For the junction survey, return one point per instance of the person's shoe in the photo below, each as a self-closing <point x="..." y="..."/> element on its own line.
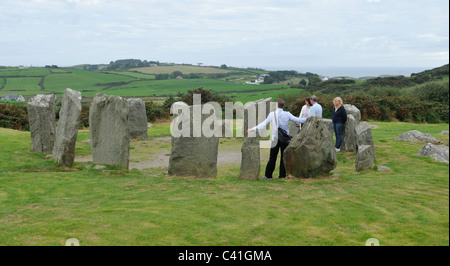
<point x="338" y="150"/>
<point x="265" y="177"/>
<point x="281" y="177"/>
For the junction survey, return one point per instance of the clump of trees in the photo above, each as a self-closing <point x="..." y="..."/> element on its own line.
<point x="124" y="64"/>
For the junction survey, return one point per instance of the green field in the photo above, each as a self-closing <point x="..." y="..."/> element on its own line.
<point x="23" y="86"/>
<point x="45" y="204"/>
<point x="132" y="83"/>
<point x="9" y="72"/>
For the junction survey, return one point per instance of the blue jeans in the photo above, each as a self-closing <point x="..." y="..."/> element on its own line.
<point x="338" y="127"/>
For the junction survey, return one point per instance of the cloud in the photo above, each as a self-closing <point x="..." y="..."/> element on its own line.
<point x="235" y="32"/>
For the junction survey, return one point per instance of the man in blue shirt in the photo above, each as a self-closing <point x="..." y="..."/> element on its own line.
<point x="316" y="108"/>
<point x="279" y="119"/>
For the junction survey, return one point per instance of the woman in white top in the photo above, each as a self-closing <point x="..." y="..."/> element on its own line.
<point x="305" y="109"/>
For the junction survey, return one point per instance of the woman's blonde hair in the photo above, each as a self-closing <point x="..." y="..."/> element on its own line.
<point x="339" y="99"/>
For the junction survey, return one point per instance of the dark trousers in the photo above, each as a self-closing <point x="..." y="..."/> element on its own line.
<point x="273" y="160"/>
<point x="338" y="127"/>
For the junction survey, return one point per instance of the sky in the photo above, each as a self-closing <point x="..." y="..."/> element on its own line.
<point x="241" y="33"/>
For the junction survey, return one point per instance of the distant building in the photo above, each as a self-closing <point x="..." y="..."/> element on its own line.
<point x="200" y="64"/>
<point x="13" y="97"/>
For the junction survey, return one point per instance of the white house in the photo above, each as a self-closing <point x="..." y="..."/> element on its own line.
<point x="13" y="97"/>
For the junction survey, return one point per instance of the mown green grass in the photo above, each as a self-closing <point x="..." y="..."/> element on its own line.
<point x="45" y="204"/>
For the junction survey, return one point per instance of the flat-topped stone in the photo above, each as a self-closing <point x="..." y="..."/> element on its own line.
<point x="42" y="121"/>
<point x="110" y="135"/>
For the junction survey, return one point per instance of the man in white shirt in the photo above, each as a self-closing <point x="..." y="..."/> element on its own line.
<point x="279" y="119"/>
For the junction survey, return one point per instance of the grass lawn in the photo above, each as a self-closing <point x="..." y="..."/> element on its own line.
<point x="45" y="204"/>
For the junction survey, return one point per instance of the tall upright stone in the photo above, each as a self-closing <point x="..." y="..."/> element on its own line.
<point x="312" y="153"/>
<point x="364" y="135"/>
<point x="137" y="119"/>
<point x="349" y="134"/>
<point x="193" y="155"/>
<point x="250" y="160"/>
<point x="67" y="129"/>
<point x="294" y="130"/>
<point x="329" y="125"/>
<point x="353" y="110"/>
<point x="110" y="134"/>
<point x="41" y="117"/>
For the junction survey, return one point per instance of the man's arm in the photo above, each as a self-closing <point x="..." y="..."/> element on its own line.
<point x="262" y="125"/>
<point x="295" y="119"/>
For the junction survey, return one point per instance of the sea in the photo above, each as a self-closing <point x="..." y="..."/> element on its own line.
<point x="355" y="72"/>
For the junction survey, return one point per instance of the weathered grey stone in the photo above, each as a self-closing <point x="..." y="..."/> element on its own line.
<point x="329" y="124"/>
<point x="444" y="132"/>
<point x="137" y="119"/>
<point x="437" y="152"/>
<point x="250" y="161"/>
<point x="110" y="134"/>
<point x="365" y="158"/>
<point x="335" y="175"/>
<point x="99" y="167"/>
<point x="363" y="133"/>
<point x="353" y="110"/>
<point x="349" y="134"/>
<point x="41" y="117"/>
<point x="294" y="131"/>
<point x="313" y="152"/>
<point x="193" y="156"/>
<point x="67" y="130"/>
<point x="384" y="169"/>
<point x="417" y="136"/>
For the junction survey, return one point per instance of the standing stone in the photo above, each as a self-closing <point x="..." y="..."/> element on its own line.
<point x="137" y="119"/>
<point x="110" y="134"/>
<point x="250" y="161"/>
<point x="294" y="131"/>
<point x="437" y="152"/>
<point x="365" y="158"/>
<point x="329" y="125"/>
<point x="41" y="117"/>
<point x="364" y="135"/>
<point x="313" y="152"/>
<point x="349" y="134"/>
<point x="67" y="130"/>
<point x="193" y="156"/>
<point x="353" y="110"/>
